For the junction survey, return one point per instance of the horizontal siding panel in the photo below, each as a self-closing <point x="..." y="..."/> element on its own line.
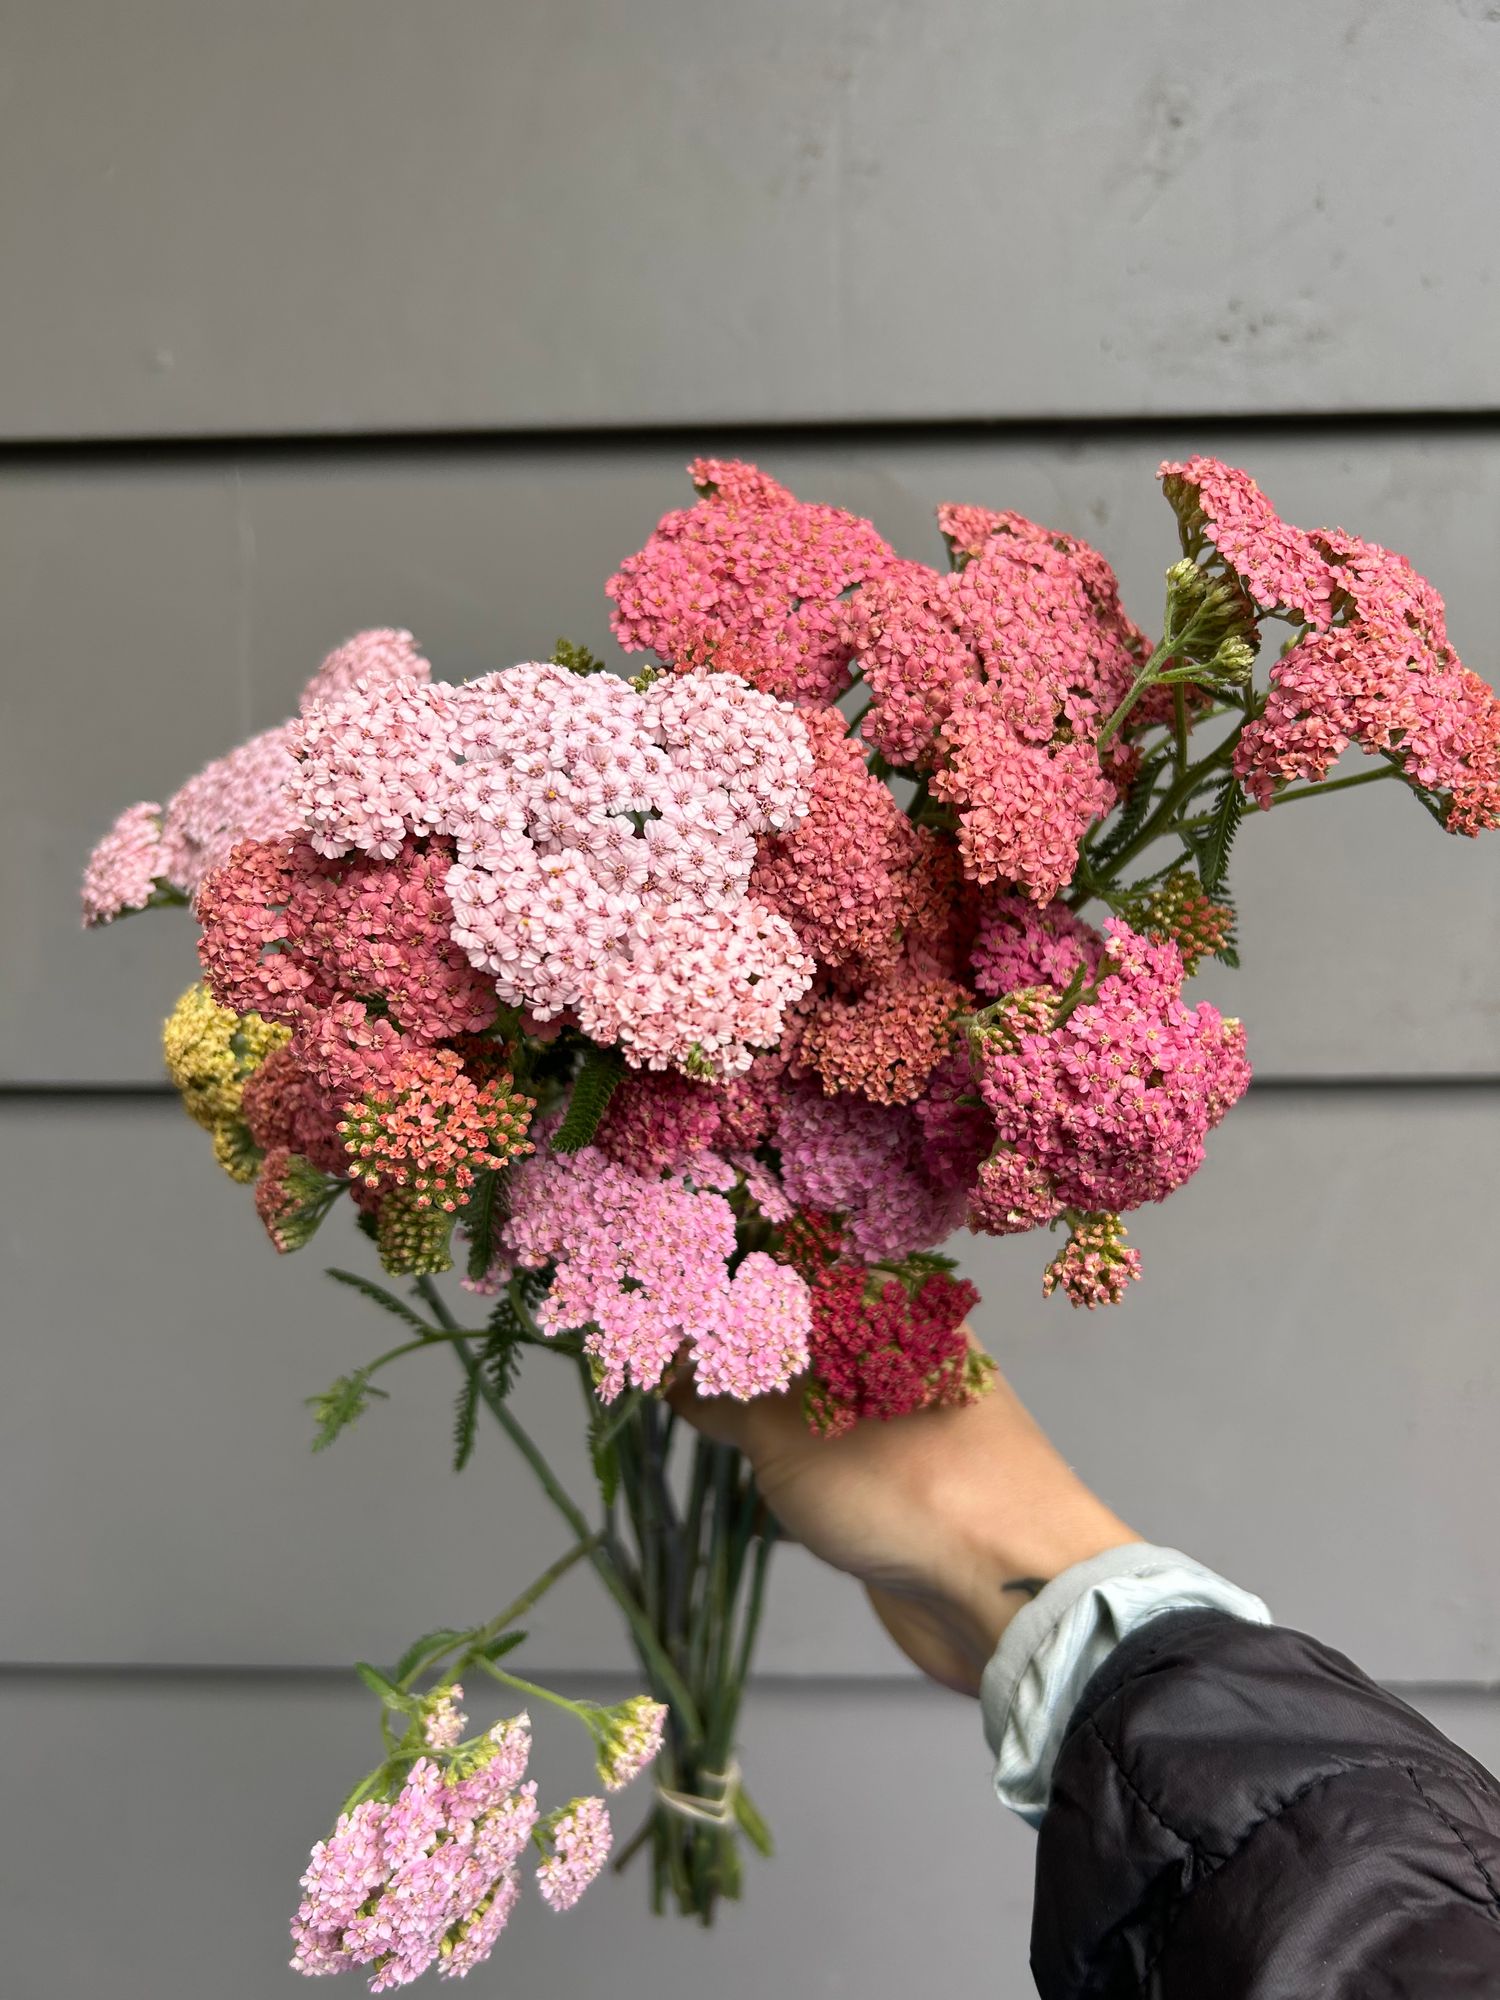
<point x="1303" y="1391"/>
<point x="160" y="609"/>
<point x="204" y="1796"/>
<point x="367" y="216"/>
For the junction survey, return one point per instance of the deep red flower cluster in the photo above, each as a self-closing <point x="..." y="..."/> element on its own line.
<point x="881" y="1349"/>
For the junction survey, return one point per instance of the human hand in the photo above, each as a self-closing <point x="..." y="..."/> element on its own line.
<point x="951" y="1519"/>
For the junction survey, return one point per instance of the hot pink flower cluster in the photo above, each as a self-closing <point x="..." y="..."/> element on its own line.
<point x="1108" y="1108"/>
<point x="643" y="1263"/>
<point x="751" y="577"/>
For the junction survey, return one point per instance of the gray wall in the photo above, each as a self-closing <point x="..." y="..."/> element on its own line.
<point x="324" y="316"/>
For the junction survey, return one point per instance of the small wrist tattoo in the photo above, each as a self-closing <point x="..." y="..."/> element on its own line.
<point x="1032" y="1585"/>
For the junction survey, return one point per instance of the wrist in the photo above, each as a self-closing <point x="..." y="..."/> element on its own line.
<point x="1006" y="1525"/>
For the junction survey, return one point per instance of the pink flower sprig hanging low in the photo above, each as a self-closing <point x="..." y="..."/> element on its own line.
<point x="691" y="1013"/>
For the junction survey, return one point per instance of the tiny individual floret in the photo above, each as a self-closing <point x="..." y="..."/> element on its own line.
<point x="575" y="1844"/>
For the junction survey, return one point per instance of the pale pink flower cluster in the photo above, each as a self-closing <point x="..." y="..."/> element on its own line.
<point x="578" y="1843"/>
<point x="642" y="1263"/>
<point x="863" y="1162"/>
<point x="370" y="659"/>
<point x="427" y="1878"/>
<point x="241" y="796"/>
<point x="123" y="870"/>
<point x="752" y="572"/>
<point x="1108" y="1109"/>
<point x="605" y="838"/>
<point x="443" y="1724"/>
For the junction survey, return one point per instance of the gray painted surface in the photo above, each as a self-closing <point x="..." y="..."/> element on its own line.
<point x="373" y="217"/>
<point x="157" y="612"/>
<point x="896" y="1871"/>
<point x="362" y="215"/>
<point x="1303" y="1390"/>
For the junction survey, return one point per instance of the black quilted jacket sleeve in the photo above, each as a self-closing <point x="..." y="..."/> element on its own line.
<point x="1238" y="1813"/>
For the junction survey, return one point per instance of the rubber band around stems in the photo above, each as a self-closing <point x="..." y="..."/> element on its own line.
<point x="693" y="1805"/>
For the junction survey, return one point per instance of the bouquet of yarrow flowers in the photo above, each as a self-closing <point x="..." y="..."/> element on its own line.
<point x="690" y="1014"/>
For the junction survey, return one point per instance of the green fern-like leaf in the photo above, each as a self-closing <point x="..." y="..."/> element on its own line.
<point x="1132" y="815"/>
<point x="340" y="1405"/>
<point x="481" y="1219"/>
<point x="381" y="1297"/>
<point x="593" y="1087"/>
<point x="465" y="1422"/>
<point x="500" y="1357"/>
<point x="1218" y="835"/>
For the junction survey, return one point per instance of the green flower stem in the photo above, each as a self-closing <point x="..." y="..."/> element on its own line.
<point x="473" y="1643"/>
<point x="1333" y="785"/>
<point x="1159" y="824"/>
<point x="1180" y="730"/>
<point x="578" y="1708"/>
<point x="656" y="1661"/>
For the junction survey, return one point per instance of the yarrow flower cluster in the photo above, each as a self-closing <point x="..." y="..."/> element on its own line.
<point x="1374" y="666"/>
<point x="428" y="1875"/>
<point x="753" y="569"/>
<point x="1106" y="1106"/>
<point x="643" y="1262"/>
<point x="427" y="1878"/>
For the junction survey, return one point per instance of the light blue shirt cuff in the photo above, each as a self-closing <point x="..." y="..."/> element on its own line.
<point x="1054" y="1644"/>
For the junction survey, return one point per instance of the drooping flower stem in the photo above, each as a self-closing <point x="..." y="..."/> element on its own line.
<point x="669" y="1684"/>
